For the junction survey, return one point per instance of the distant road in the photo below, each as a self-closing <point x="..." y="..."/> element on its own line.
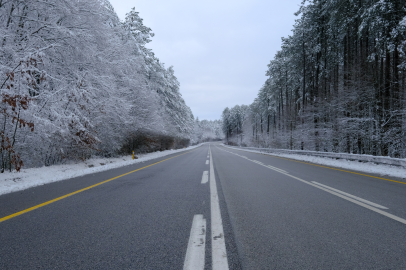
<point x="209" y="208"/>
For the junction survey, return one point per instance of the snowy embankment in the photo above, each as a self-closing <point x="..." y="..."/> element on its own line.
<point x="27" y="178"/>
<point x="367" y="167"/>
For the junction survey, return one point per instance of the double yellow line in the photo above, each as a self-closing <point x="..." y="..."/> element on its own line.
<point x="79" y="191"/>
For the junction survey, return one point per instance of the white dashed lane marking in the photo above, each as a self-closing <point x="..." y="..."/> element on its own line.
<point x="205" y="177"/>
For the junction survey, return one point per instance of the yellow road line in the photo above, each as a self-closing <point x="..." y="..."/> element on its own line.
<point x="328" y="167"/>
<point x="78" y="191"/>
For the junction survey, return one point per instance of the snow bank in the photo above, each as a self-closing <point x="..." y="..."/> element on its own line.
<point x="27" y="178"/>
<point x="367" y="167"/>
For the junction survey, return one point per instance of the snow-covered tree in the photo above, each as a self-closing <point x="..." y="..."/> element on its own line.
<point x="75" y="81"/>
<point x="338" y="82"/>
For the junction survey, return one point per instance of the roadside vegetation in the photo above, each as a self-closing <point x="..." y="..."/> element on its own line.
<point x="338" y="84"/>
<point x="77" y="82"/>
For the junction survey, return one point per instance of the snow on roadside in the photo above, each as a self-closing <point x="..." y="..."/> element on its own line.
<point x="27" y="178"/>
<point x="367" y="167"/>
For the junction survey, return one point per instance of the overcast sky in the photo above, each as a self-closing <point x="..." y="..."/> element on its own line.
<point x="219" y="48"/>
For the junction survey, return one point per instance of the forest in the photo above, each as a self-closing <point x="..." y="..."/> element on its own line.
<point x="336" y="85"/>
<point x="77" y="82"/>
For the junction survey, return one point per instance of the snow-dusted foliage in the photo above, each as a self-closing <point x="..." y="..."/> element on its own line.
<point x="206" y="130"/>
<point x="338" y="84"/>
<point x="234" y="124"/>
<point x="75" y="81"/>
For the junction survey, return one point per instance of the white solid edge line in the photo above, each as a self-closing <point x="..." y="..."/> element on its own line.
<point x="219" y="254"/>
<point x="399" y="219"/>
<point x="205" y="177"/>
<point x="352" y="196"/>
<point x="195" y="252"/>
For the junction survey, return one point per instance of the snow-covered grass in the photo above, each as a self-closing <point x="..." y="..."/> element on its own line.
<point x="26" y="178"/>
<point x="367" y="167"/>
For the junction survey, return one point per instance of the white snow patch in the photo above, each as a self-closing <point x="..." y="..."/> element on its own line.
<point x="367" y="167"/>
<point x="27" y="178"/>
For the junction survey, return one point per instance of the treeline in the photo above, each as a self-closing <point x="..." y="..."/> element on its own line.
<point x="207" y="130"/>
<point x="76" y="81"/>
<point x="337" y="84"/>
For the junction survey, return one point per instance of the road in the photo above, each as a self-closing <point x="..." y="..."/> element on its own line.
<point x="212" y="207"/>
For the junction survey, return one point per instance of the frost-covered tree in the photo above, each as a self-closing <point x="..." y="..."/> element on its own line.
<point x="233" y="121"/>
<point x="75" y="81"/>
<point x="207" y="130"/>
<point x="338" y="83"/>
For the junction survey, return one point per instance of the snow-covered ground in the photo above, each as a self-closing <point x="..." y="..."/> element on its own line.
<point x="26" y="178"/>
<point x="367" y="167"/>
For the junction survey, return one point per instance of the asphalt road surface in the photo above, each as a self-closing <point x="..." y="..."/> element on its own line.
<point x="212" y="207"/>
